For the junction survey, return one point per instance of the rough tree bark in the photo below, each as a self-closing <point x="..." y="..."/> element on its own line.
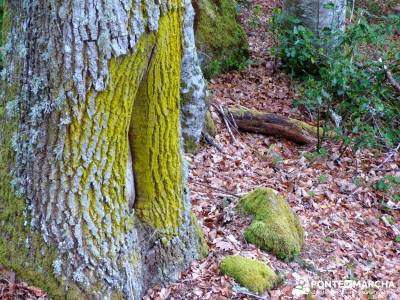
<point x="194" y="91"/>
<point x="318" y="14"/>
<point x="213" y="28"/>
<point x="93" y="201"/>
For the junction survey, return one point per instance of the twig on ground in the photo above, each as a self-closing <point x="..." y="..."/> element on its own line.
<point x="220" y="111"/>
<point x="388" y="157"/>
<point x="249" y="294"/>
<point x="233" y="122"/>
<point x="210" y="140"/>
<point x="215" y="193"/>
<point x="387" y="223"/>
<point x="372" y="16"/>
<point x="215" y="188"/>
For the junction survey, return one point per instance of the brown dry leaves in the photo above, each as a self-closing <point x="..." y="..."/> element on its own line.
<point x="10" y="289"/>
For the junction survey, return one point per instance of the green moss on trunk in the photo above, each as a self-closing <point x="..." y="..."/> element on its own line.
<point x="154" y="133"/>
<point x="22" y="249"/>
<point x="4" y="28"/>
<point x="139" y="107"/>
<point x="203" y="247"/>
<point x="209" y="125"/>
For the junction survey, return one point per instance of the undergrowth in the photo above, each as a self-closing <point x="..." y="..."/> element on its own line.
<point x="238" y="61"/>
<point x="345" y="87"/>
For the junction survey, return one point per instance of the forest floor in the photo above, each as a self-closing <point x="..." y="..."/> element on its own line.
<point x="350" y="225"/>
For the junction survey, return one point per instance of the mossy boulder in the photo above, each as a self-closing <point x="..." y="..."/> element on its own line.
<point x="220" y="40"/>
<point x="254" y="275"/>
<point x="275" y="228"/>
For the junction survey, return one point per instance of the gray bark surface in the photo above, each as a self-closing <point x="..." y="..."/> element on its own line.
<point x="58" y="56"/>
<point x="194" y="91"/>
<point x="316" y="15"/>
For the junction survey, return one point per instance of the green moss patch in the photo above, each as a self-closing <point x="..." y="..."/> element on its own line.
<point x="275" y="228"/>
<point x="4" y="24"/>
<point x="254" y="275"/>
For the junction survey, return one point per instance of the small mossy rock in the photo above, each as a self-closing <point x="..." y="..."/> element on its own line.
<point x="254" y="275"/>
<point x="275" y="228"/>
<point x="220" y="39"/>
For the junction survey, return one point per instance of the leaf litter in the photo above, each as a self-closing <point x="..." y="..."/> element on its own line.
<point x="350" y="226"/>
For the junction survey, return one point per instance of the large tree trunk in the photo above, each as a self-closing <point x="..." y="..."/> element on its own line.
<point x="93" y="201"/>
<point x="318" y="14"/>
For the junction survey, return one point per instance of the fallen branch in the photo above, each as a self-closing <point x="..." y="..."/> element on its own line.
<point x="217" y="189"/>
<point x="390" y="76"/>
<point x="239" y="290"/>
<point x="226" y="121"/>
<point x="253" y="295"/>
<point x="387" y="223"/>
<point x="271" y="124"/>
<point x="388" y="157"/>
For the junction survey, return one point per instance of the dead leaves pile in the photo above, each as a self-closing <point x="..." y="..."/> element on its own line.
<point x="10" y="289"/>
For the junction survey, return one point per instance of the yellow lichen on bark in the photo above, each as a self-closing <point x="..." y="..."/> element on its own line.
<point x="154" y="132"/>
<point x="142" y="101"/>
<point x="96" y="146"/>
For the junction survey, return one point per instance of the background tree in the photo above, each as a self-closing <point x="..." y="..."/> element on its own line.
<point x="92" y="182"/>
<point x="318" y="14"/>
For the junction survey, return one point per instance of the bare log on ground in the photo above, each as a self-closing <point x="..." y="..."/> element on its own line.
<point x="251" y="120"/>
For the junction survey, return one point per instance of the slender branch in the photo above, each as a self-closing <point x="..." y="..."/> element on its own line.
<point x="352" y="10"/>
<point x="214" y="188"/>
<point x="210" y="140"/>
<point x="390" y="76"/>
<point x="220" y="110"/>
<point x="252" y="295"/>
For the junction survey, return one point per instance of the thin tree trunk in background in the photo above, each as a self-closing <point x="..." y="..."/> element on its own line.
<point x="318" y="14"/>
<point x="90" y="89"/>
